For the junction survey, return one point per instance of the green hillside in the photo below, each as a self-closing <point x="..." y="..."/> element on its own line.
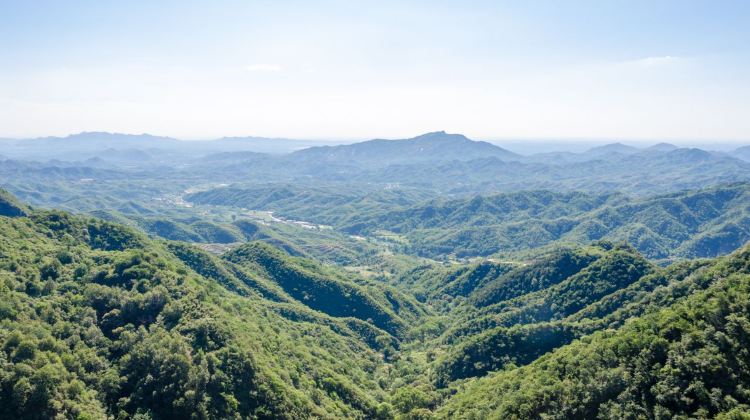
<point x="689" y="224"/>
<point x="686" y="360"/>
<point x="97" y="320"/>
<point x="249" y="210"/>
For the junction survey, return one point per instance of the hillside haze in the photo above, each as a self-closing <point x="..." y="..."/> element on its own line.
<point x="245" y="210"/>
<point x="429" y="277"/>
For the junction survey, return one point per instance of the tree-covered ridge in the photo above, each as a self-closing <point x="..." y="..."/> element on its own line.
<point x="648" y="172"/>
<point x="528" y="322"/>
<point x="610" y="285"/>
<point x="333" y="204"/>
<point x="535" y="276"/>
<point x="486" y="210"/>
<point x="326" y="290"/>
<point x="96" y="320"/>
<point x="430" y="207"/>
<point x="689" y="224"/>
<point x="686" y="360"/>
<point x="451" y="362"/>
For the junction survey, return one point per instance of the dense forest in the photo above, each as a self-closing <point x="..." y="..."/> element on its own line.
<point x="702" y="223"/>
<point x="98" y="320"/>
<point x="374" y="210"/>
<point x="354" y="281"/>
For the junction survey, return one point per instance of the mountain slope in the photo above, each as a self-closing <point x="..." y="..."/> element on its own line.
<point x="437" y="146"/>
<point x="97" y="320"/>
<point x="685" y="360"/>
<point x="699" y="223"/>
<point x="612" y="148"/>
<point x="638" y="173"/>
<point x="10" y="206"/>
<point x="325" y="290"/>
<point x="520" y="329"/>
<point x="323" y="204"/>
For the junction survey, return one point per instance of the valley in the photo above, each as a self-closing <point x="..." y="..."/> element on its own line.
<point x="374" y="210"/>
<point x="162" y="292"/>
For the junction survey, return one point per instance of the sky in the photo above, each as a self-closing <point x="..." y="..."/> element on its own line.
<point x="568" y="70"/>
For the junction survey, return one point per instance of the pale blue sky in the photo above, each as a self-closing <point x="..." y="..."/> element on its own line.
<point x="347" y="69"/>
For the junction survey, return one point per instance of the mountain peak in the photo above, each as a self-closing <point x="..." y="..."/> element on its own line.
<point x="690" y="155"/>
<point x="440" y="136"/>
<point x="434" y="146"/>
<point x="616" y="147"/>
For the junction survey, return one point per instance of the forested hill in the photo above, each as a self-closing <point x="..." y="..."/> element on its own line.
<point x="596" y="332"/>
<point x="430" y="147"/>
<point x="99" y="321"/>
<point x="324" y="204"/>
<point x="694" y="223"/>
<point x="686" y="358"/>
<point x="702" y="223"/>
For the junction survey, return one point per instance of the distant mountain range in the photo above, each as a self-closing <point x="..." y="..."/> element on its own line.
<point x="51" y="171"/>
<point x="118" y="148"/>
<point x="431" y="277"/>
<point x="437" y="146"/>
<point x="440" y="162"/>
<point x="86" y="145"/>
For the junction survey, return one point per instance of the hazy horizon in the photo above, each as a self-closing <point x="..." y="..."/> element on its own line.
<point x="518" y="145"/>
<point x="374" y="210"/>
<point x="561" y="141"/>
<point x="673" y="71"/>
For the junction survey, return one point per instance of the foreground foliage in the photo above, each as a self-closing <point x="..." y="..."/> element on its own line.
<point x="99" y="321"/>
<point x="689" y="359"/>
